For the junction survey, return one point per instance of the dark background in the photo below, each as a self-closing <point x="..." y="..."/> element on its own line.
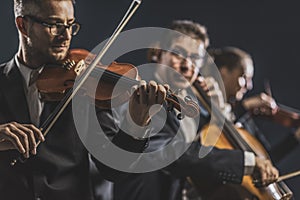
<point x="268" y="30"/>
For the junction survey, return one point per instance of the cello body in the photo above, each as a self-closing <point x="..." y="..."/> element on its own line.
<point x="212" y="136"/>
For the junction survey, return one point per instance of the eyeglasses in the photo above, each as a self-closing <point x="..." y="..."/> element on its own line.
<point x="242" y="81"/>
<point x="56" y="28"/>
<point x="183" y="54"/>
<point x="245" y="81"/>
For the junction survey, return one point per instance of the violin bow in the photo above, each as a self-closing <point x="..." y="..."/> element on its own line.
<point x="268" y="87"/>
<point x="287" y="176"/>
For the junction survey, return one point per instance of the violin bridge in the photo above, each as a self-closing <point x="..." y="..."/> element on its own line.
<point x="71" y="64"/>
<point x="79" y="67"/>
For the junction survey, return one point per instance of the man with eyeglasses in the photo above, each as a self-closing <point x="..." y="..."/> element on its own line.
<point x="177" y="57"/>
<point x="59" y="168"/>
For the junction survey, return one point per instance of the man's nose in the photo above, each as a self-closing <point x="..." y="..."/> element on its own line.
<point x="67" y="33"/>
<point x="186" y="65"/>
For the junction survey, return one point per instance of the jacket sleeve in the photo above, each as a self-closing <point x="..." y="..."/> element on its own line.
<point x="218" y="166"/>
<point x="112" y="141"/>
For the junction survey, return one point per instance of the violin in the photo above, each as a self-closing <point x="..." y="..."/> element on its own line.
<point x="55" y="81"/>
<point x="284" y="115"/>
<point x="233" y="138"/>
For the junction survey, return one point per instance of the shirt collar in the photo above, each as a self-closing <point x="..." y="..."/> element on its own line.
<point x="25" y="70"/>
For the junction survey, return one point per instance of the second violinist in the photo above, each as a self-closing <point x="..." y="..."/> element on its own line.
<point x="219" y="166"/>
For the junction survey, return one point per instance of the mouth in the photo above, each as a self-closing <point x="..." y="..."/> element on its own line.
<point x="184" y="69"/>
<point x="60" y="48"/>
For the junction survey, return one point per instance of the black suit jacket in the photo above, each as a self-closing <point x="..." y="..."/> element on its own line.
<point x="218" y="167"/>
<point x="60" y="169"/>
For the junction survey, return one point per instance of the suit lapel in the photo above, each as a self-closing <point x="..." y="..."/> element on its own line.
<point x="13" y="91"/>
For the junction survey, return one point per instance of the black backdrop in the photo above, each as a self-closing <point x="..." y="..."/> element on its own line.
<point x="268" y="30"/>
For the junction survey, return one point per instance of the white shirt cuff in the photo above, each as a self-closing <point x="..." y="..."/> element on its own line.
<point x="249" y="162"/>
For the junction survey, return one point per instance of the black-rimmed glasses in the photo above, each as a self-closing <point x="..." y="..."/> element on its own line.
<point x="182" y="53"/>
<point x="56" y="28"/>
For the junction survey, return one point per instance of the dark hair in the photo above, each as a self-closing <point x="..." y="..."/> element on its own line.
<point x="27" y="7"/>
<point x="192" y="29"/>
<point x="187" y="27"/>
<point x="229" y="57"/>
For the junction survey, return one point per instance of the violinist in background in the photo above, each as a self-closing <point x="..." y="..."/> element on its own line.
<point x="59" y="168"/>
<point x="236" y="68"/>
<point x="169" y="183"/>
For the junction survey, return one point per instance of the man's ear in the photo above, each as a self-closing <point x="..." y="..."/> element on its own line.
<point x="22" y="25"/>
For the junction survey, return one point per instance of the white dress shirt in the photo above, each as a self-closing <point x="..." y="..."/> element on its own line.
<point x="35" y="105"/>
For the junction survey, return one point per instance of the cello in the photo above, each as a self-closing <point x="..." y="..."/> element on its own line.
<point x="233" y="138"/>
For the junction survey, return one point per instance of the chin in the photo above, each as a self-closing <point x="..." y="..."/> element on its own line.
<point x="59" y="56"/>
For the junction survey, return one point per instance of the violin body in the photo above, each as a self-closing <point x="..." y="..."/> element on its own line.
<point x="286" y="116"/>
<point x="210" y="135"/>
<point x="55" y="80"/>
